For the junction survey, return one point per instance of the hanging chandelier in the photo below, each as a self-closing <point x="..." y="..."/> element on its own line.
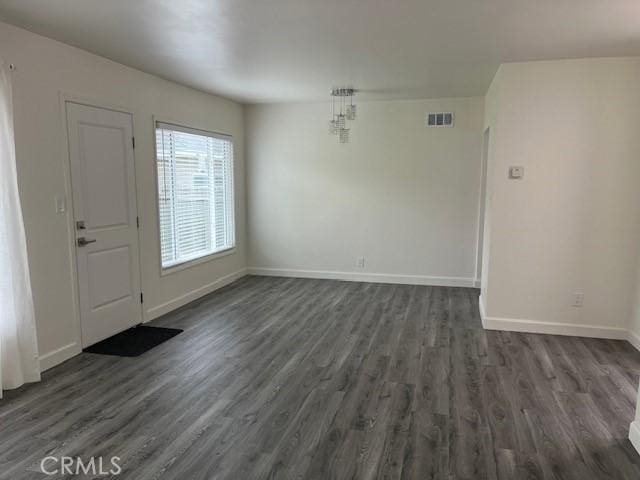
<point x="342" y="109"/>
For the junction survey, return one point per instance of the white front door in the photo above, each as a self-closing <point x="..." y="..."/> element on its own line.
<point x="105" y="216"/>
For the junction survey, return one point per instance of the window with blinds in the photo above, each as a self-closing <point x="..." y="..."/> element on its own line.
<point x="195" y="193"/>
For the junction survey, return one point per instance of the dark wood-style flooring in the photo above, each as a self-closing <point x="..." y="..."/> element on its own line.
<point x="315" y="379"/>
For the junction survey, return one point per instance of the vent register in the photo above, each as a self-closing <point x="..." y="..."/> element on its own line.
<point x="439" y="119"/>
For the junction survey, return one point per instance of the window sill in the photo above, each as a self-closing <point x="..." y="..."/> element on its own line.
<point x="197" y="261"/>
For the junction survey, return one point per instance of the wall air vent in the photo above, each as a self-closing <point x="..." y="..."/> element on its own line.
<point x="440" y="119"/>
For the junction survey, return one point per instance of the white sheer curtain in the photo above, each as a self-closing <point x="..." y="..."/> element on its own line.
<point x="18" y="343"/>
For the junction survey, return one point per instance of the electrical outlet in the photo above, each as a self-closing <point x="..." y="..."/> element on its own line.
<point x="578" y="299"/>
<point x="516" y="172"/>
<point x="360" y="262"/>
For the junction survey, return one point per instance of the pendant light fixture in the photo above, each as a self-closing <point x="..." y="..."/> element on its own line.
<point x="344" y="111"/>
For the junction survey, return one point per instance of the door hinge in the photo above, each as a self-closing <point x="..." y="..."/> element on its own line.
<point x="138" y="222"/>
<point x="133" y="142"/>
<point x="141" y="297"/>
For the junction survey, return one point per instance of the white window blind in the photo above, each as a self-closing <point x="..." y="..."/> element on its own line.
<point x="195" y="193"/>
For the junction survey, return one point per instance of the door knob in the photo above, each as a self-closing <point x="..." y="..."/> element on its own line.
<point x="83" y="241"/>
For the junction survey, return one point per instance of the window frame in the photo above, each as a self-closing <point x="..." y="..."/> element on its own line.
<point x="178" y="127"/>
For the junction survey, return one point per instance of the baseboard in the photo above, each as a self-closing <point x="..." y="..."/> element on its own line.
<point x="634" y="434"/>
<point x="477" y="282"/>
<point x="365" y="277"/>
<point x="553" y="328"/>
<point x="634" y="339"/>
<point x="164" y="308"/>
<point x="59" y="355"/>
<point x="482" y="309"/>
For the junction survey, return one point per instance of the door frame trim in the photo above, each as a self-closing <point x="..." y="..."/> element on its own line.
<point x="65" y="97"/>
<point x="482" y="196"/>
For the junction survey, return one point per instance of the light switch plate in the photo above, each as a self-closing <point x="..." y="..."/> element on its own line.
<point x="61" y="203"/>
<point x="516" y="172"/>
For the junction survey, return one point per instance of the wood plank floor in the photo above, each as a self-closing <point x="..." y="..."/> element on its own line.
<point x="316" y="379"/>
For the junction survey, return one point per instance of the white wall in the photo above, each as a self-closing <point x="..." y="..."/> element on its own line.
<point x="44" y="69"/>
<point x="403" y="196"/>
<point x="573" y="222"/>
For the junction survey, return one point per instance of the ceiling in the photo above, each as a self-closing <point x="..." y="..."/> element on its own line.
<point x="296" y="50"/>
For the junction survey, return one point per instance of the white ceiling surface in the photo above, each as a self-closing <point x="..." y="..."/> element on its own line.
<point x="296" y="50"/>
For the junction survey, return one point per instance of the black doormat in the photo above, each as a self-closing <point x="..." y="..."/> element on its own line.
<point x="133" y="342"/>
